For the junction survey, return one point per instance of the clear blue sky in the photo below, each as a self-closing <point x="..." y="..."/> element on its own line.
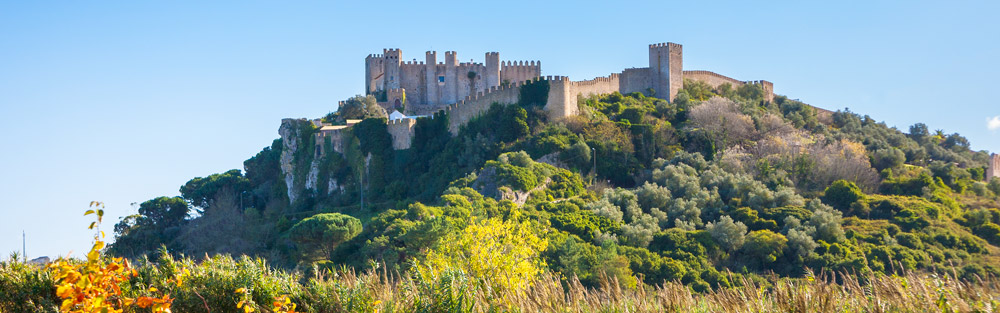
<point x="123" y="102"/>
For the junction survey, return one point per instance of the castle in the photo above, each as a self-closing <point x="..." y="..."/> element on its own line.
<point x="429" y="86"/>
<point x="464" y="91"/>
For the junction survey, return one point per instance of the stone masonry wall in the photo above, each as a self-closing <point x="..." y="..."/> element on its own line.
<point x="519" y="71"/>
<point x="562" y="100"/>
<point x="715" y="80"/>
<point x="596" y="86"/>
<point x="993" y="170"/>
<point x="711" y="78"/>
<point x="634" y="80"/>
<point x="401" y="131"/>
<point x="473" y="106"/>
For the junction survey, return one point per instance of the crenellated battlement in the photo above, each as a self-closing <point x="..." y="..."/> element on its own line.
<point x="465" y="90"/>
<point x="613" y="78"/>
<point x="521" y="63"/>
<point x="715" y="80"/>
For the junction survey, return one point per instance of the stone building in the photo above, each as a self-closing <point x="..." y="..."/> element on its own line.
<point x="429" y="86"/>
<point x="426" y="86"/>
<point x="465" y="90"/>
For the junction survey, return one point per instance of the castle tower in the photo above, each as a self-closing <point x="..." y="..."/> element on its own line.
<point x="450" y="77"/>
<point x="492" y="74"/>
<point x="993" y="168"/>
<point x="666" y="69"/>
<point x="391" y="77"/>
<point x="374" y="70"/>
<point x="768" y="90"/>
<point x="430" y="78"/>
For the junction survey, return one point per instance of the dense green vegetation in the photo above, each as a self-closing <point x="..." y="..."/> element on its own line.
<point x="715" y="189"/>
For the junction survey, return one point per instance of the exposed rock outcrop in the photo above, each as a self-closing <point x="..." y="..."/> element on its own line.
<point x="290" y="135"/>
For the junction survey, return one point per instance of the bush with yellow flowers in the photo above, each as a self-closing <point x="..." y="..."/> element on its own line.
<point x="95" y="285"/>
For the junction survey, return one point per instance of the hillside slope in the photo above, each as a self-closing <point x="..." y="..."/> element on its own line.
<point x="712" y="189"/>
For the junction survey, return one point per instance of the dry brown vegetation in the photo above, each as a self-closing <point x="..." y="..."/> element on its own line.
<point x="910" y="293"/>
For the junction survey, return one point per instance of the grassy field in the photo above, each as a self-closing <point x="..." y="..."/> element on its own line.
<point x="211" y="285"/>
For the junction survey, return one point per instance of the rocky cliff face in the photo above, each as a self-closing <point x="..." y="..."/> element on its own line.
<point x="290" y="134"/>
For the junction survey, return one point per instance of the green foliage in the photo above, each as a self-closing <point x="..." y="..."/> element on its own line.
<point x="356" y="107"/>
<point x="26" y="288"/>
<point x="827" y="222"/>
<point x="157" y="224"/>
<point x="648" y="189"/>
<point x="730" y="235"/>
<point x="534" y="93"/>
<point x="501" y="256"/>
<point x="201" y="192"/>
<point x="765" y="246"/>
<point x="570" y="256"/>
<point x="841" y="194"/>
<point x="323" y="232"/>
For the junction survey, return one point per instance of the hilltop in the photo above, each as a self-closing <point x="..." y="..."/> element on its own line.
<point x="649" y="175"/>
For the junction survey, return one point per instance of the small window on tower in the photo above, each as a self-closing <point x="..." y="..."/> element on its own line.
<point x="440" y="79"/>
<point x="392" y="77"/>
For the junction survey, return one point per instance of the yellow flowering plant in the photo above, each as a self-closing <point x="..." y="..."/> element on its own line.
<point x="95" y="284"/>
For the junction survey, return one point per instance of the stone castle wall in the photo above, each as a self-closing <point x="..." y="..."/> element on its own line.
<point x="433" y="87"/>
<point x="715" y="80"/>
<point x="519" y="71"/>
<point x="711" y="78"/>
<point x="596" y="86"/>
<point x="401" y="131"/>
<point x="634" y="80"/>
<point x="561" y="102"/>
<point x="473" y="106"/>
<point x="993" y="168"/>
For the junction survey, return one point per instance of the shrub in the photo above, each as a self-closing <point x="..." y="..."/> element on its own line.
<point x="729" y="234"/>
<point x="765" y="245"/>
<point x="501" y="256"/>
<point x="841" y="194"/>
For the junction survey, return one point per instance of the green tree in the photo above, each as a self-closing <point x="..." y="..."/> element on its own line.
<point x="156" y="225"/>
<point x="357" y="107"/>
<point x="841" y="194"/>
<point x="578" y="156"/>
<point x="730" y="235"/>
<point x="201" y="192"/>
<point x="501" y="255"/>
<point x="888" y="158"/>
<point x="826" y="221"/>
<point x="321" y="233"/>
<point x="765" y="245"/>
<point x="164" y="211"/>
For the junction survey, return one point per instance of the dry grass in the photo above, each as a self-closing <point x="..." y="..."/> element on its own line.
<point x="211" y="286"/>
<point x="910" y="293"/>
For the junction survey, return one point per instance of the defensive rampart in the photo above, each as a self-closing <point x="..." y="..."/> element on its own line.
<point x="473" y="106"/>
<point x="715" y="80"/>
<point x="401" y="131"/>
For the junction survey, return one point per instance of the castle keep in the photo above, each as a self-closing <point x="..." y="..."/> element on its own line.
<point x="464" y="90"/>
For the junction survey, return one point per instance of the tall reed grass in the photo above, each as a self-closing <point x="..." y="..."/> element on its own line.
<point x="210" y="286"/>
